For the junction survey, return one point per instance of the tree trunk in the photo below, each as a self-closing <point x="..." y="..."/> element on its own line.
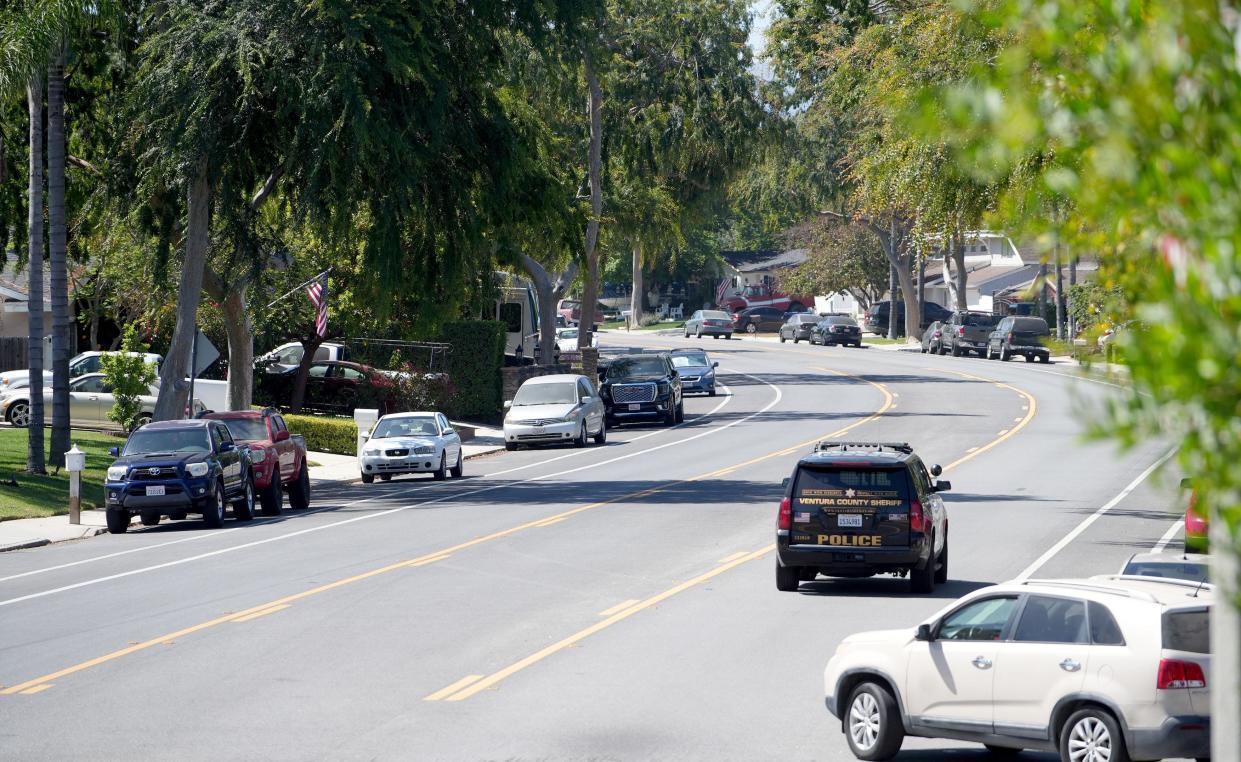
<point x="913" y="313"/>
<point x="1225" y="642"/>
<point x="958" y="259"/>
<point x="921" y="281"/>
<point x="1059" y="289"/>
<point x="590" y="289"/>
<point x="310" y="346"/>
<point x="57" y="239"/>
<point x="173" y="373"/>
<point x="240" y="334"/>
<point x="892" y="301"/>
<point x="35" y="462"/>
<point x="635" y="298"/>
<point x="549" y="294"/>
<point x="1072" y="283"/>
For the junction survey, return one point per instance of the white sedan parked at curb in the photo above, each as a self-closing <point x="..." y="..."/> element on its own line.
<point x="561" y="408"/>
<point x="410" y="443"/>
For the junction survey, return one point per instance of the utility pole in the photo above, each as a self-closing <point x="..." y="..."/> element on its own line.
<point x="1059" y="288"/>
<point x="1072" y="283"/>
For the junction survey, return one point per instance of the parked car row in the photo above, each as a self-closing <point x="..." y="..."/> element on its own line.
<point x="988" y="335"/>
<point x="90" y="401"/>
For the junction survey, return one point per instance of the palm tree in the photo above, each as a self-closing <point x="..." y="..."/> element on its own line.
<point x="34" y="452"/>
<point x="57" y="255"/>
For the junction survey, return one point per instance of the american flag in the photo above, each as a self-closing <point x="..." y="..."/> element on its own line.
<point x="317" y="291"/>
<point x="722" y="289"/>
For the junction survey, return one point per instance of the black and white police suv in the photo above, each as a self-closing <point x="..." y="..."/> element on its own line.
<point x="857" y="509"/>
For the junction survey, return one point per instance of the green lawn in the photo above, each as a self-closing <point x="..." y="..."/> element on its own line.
<point x="36" y="496"/>
<point x="881" y="340"/>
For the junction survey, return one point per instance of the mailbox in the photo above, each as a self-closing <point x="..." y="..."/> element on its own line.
<point x="75" y="460"/>
<point x="365" y="419"/>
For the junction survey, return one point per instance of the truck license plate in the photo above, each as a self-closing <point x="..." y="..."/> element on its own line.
<point x="155" y="491"/>
<point x="849" y="520"/>
<point x="633" y="406"/>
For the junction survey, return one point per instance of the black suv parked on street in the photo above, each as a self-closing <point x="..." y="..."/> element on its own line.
<point x="642" y="386"/>
<point x="857" y="509"/>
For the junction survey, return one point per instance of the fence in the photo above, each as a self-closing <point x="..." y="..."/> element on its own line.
<point x="13" y="354"/>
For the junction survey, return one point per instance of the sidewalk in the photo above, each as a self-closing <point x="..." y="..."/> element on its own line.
<point x="20" y="534"/>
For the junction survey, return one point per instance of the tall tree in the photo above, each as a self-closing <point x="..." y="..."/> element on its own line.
<point x="58" y="259"/>
<point x="34" y="305"/>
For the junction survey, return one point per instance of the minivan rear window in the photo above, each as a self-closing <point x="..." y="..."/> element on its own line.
<point x="1187" y="631"/>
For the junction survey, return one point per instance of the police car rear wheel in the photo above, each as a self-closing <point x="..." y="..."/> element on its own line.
<point x="941" y="572"/>
<point x="872" y="724"/>
<point x="787" y="578"/>
<point x="922" y="581"/>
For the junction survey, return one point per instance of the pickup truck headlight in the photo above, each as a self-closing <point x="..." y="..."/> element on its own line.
<point x="197" y="469"/>
<point x="424" y="450"/>
<point x="117" y="473"/>
<point x="257" y="455"/>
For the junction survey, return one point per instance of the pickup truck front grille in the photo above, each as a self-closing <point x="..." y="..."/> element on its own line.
<point x="627" y="393"/>
<point x="157" y="473"/>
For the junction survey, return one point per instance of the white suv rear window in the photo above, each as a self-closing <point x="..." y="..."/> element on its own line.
<point x="1187" y="631"/>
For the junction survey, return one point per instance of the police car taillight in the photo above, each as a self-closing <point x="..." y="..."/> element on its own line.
<point x="1180" y="674"/>
<point x="917" y="522"/>
<point x="786" y="514"/>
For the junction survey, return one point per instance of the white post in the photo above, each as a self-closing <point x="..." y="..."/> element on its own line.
<point x="75" y="463"/>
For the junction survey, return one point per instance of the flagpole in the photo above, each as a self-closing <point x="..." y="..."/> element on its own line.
<point x="297" y="288"/>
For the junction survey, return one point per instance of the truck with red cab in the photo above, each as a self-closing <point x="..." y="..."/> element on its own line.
<point x="277" y="457"/>
<point x="763" y="295"/>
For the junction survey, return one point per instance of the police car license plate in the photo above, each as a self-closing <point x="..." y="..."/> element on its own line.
<point x="848" y="520"/>
<point x="634" y="406"/>
<point x="155" y="491"/>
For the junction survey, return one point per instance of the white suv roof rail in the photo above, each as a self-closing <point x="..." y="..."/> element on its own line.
<point x="1158" y="580"/>
<point x="1085" y="585"/>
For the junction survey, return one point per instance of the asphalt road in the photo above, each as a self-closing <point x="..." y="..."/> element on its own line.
<point x="616" y="602"/>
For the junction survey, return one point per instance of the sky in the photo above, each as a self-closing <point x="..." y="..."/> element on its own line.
<point x="763" y="11"/>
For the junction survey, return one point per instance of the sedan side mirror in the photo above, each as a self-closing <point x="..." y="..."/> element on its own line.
<point x="365" y="435"/>
<point x="114" y="452"/>
<point x="508" y="404"/>
<point x="943" y="486"/>
<point x="715" y="364"/>
<point x="936" y="470"/>
<point x="924" y="634"/>
<point x="784" y="483"/>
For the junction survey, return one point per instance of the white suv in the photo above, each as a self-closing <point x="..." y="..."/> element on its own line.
<point x="1100" y="670"/>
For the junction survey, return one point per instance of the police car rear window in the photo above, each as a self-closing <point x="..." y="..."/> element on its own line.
<point x="872" y="488"/>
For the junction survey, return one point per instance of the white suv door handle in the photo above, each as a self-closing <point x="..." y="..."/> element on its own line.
<point x="1070" y="665"/>
<point x="981" y="662"/>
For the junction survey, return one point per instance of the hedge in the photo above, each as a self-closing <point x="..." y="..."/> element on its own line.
<point x="474" y="367"/>
<point x="323" y="434"/>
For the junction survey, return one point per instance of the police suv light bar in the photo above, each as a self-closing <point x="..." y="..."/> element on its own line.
<point x="904" y="447"/>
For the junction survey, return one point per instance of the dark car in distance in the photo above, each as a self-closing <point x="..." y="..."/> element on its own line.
<point x="876" y="320"/>
<point x="857" y="509"/>
<point x="836" y="329"/>
<point x="1019" y="336"/>
<point x="332" y="386"/>
<point x="797" y="326"/>
<point x="757" y="319"/>
<point x="171" y="468"/>
<point x="642" y="386"/>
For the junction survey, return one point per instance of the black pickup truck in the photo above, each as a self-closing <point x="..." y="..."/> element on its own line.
<point x="172" y="468"/>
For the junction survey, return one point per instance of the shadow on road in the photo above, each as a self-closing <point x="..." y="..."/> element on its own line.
<point x="885" y="587"/>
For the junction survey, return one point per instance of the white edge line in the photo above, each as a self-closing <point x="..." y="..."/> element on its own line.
<point x="1169" y="535"/>
<point x="177" y="562"/>
<point x="408" y="491"/>
<point x="1092" y="518"/>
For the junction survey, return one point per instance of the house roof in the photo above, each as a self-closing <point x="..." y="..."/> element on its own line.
<point x="757" y="260"/>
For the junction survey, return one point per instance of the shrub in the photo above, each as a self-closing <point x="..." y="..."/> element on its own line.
<point x="129" y="377"/>
<point x="407" y="388"/>
<point x="324" y="434"/>
<point x="474" y="367"/>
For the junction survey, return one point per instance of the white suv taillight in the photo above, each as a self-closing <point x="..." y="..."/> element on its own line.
<point x="1174" y="673"/>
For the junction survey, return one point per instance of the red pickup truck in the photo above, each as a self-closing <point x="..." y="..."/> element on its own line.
<point x="278" y="457"/>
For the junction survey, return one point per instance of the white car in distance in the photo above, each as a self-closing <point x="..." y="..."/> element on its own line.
<point x="411" y="443"/>
<point x="80" y="365"/>
<point x="556" y="409"/>
<point x="1105" y="669"/>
